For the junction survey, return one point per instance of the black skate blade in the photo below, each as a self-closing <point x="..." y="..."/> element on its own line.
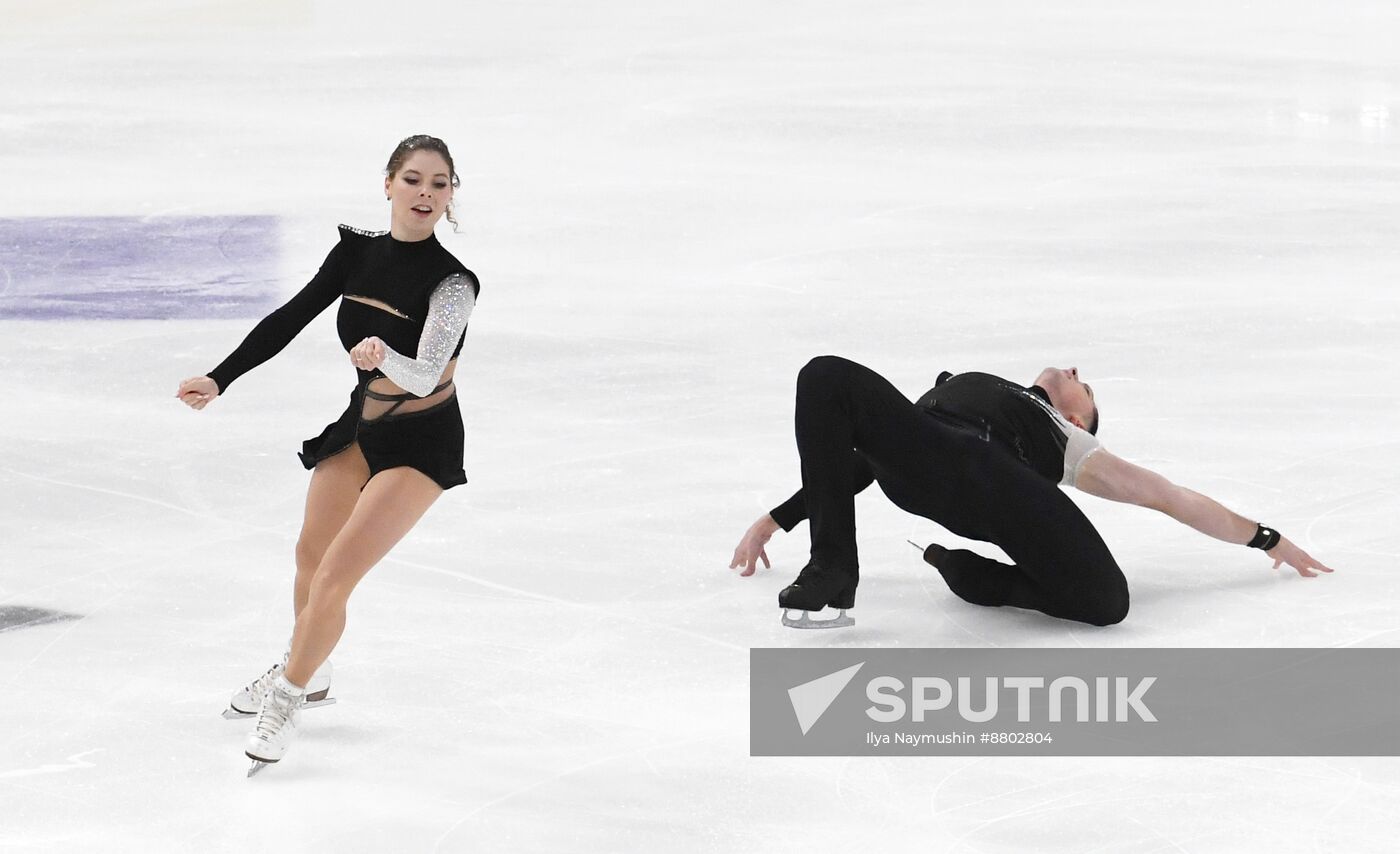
<point x="232" y="714"/>
<point x="840" y="621"/>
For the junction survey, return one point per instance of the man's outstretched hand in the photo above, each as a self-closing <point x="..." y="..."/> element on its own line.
<point x="1286" y="552"/>
<point x="750" y="549"/>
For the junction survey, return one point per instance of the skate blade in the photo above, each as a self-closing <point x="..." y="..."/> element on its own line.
<point x="232" y="714"/>
<point x="840" y="621"/>
<point x="258" y="765"/>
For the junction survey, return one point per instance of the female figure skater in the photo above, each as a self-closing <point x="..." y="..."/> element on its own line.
<point x="404" y="306"/>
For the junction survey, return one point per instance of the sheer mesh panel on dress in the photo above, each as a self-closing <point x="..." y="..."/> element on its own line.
<point x="449" y="309"/>
<point x="379" y="404"/>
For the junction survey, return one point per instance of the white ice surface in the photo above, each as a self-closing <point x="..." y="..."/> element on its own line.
<point x="671" y="207"/>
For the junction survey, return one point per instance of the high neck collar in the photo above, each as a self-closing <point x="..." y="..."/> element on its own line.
<point x="430" y="240"/>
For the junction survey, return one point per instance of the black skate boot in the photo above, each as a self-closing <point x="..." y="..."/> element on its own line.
<point x="816" y="588"/>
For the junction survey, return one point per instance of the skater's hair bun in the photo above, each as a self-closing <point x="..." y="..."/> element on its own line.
<point x="423" y="142"/>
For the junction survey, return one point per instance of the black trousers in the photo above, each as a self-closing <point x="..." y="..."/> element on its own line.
<point x="854" y="426"/>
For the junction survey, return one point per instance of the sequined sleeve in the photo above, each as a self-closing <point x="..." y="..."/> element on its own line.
<point x="449" y="308"/>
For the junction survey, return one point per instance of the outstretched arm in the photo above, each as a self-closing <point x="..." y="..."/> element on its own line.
<point x="273" y="332"/>
<point x="277" y="330"/>
<point x="1116" y="479"/>
<point x="268" y="338"/>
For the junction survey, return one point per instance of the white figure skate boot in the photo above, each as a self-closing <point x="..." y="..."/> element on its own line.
<point x="277" y="724"/>
<point x="246" y="702"/>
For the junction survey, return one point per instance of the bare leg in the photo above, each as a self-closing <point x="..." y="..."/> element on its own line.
<point x="391" y="504"/>
<point x="335" y="488"/>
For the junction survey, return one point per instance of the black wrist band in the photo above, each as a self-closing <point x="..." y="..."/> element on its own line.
<point x="1265" y="538"/>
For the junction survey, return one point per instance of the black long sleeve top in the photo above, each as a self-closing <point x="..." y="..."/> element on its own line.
<point x="401" y="276"/>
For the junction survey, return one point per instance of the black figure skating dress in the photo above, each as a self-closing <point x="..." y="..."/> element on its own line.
<point x="417" y="298"/>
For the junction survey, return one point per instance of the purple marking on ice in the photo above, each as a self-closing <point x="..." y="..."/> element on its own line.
<point x="130" y="268"/>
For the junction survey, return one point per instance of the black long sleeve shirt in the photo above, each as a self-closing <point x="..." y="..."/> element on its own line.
<point x="399" y="275"/>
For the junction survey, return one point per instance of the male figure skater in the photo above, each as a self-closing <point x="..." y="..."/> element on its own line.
<point x="982" y="457"/>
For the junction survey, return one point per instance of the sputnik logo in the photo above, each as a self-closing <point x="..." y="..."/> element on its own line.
<point x="810" y="700"/>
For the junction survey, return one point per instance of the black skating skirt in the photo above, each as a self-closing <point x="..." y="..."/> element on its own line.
<point x="431" y="440"/>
